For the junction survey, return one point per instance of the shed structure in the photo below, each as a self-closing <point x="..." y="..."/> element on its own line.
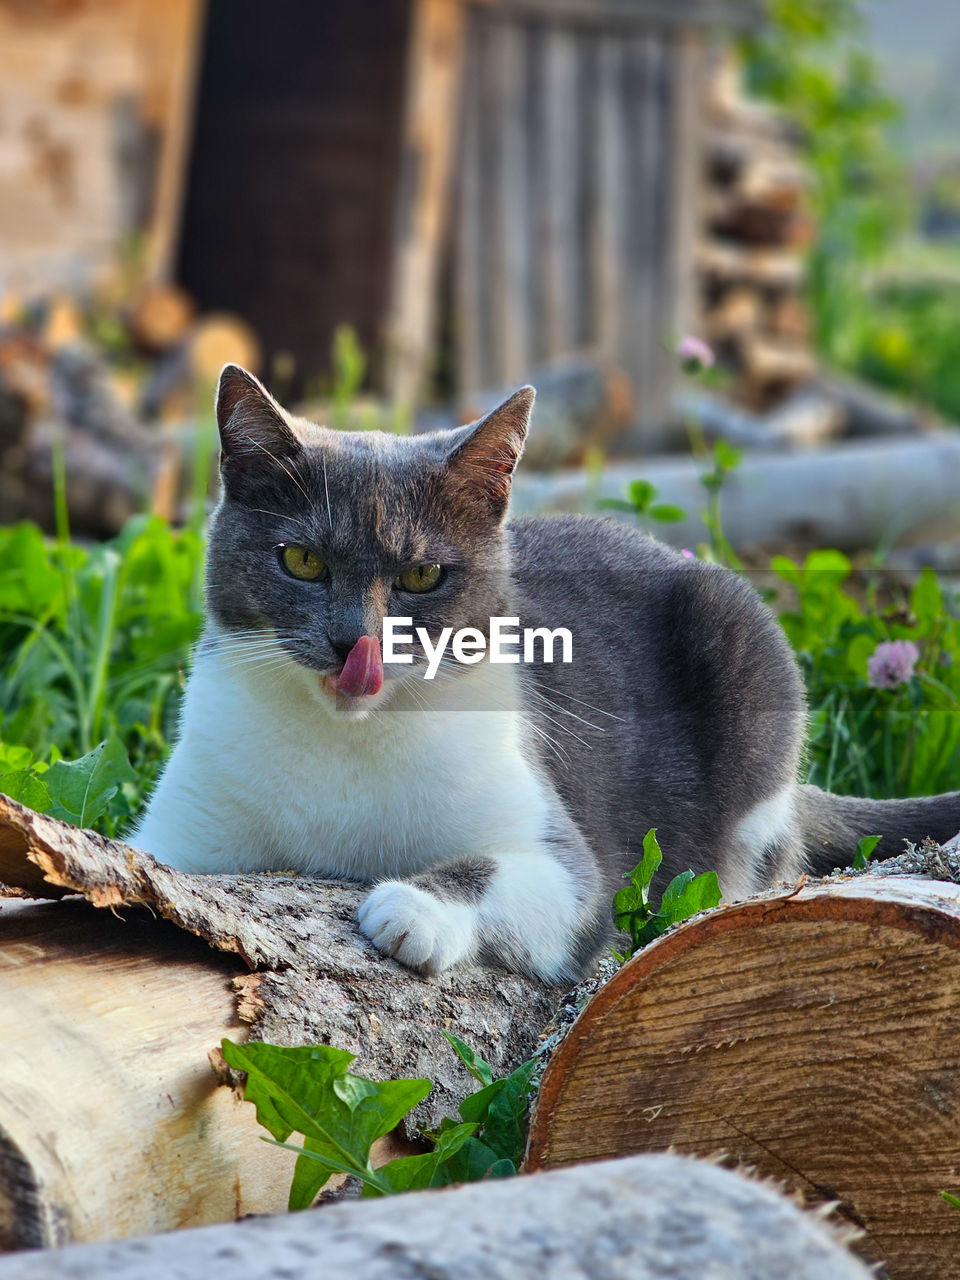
<point x="478" y="187"/>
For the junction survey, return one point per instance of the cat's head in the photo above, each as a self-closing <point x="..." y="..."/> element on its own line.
<point x="320" y="534"/>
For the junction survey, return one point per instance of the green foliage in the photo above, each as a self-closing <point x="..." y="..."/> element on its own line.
<point x="309" y="1091"/>
<point x="863" y="740"/>
<point x="641" y="502"/>
<point x="684" y="896"/>
<point x="809" y="60"/>
<point x="724" y="459"/>
<point x="900" y="332"/>
<point x="950" y="1199"/>
<point x="904" y="338"/>
<point x="865" y="848"/>
<point x="95" y="641"/>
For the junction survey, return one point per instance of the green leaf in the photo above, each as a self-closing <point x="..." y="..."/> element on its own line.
<point x="414" y="1173"/>
<point x="308" y="1090"/>
<point x="687" y="894"/>
<point x="652" y="857"/>
<point x="26" y="787"/>
<point x="475" y="1065"/>
<point x="926" y="601"/>
<point x="471" y="1163"/>
<point x="80" y="790"/>
<point x="616" y="504"/>
<point x="726" y="456"/>
<point x="667" y="513"/>
<point x="865" y="848"/>
<point x="833" y="565"/>
<point x="631" y="909"/>
<point x="950" y="1199"/>
<point x="501" y="1110"/>
<point x="641" y="493"/>
<point x="784" y="568"/>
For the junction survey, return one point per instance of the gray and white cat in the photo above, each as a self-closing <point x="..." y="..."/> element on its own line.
<point x="495" y="807"/>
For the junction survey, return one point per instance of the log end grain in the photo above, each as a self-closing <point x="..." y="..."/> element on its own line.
<point x="813" y="1035"/>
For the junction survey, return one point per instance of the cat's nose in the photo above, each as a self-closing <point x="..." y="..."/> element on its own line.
<point x="342" y="648"/>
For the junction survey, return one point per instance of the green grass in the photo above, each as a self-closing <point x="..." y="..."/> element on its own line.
<point x="96" y="641"/>
<point x="864" y="740"/>
<point x="902" y="336"/>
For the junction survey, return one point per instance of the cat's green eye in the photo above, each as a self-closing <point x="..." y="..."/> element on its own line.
<point x="302" y="564"/>
<point x="424" y="578"/>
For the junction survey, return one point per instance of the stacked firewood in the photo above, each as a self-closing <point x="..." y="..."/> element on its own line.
<point x="757" y="228"/>
<point x="115" y="381"/>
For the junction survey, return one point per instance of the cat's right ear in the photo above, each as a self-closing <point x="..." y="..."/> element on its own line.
<point x="253" y="427"/>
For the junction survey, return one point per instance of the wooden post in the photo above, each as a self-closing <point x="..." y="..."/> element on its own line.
<point x="434" y="65"/>
<point x="813" y="1034"/>
<point x="172" y="48"/>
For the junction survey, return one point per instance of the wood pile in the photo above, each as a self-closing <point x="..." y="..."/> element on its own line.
<point x="812" y="1033"/>
<point x="114" y="379"/>
<point x="117" y="1114"/>
<point x="756" y="228"/>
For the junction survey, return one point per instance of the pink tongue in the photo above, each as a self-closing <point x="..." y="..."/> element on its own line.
<point x="363" y="670"/>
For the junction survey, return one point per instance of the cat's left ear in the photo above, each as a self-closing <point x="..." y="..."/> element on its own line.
<point x="485" y="454"/>
<point x="252" y="425"/>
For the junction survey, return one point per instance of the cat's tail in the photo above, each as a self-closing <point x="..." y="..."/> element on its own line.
<point x="830" y="825"/>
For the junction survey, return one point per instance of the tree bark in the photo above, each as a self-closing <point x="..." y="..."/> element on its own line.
<point x="649" y="1217"/>
<point x="111" y="1119"/>
<point x="813" y="1033"/>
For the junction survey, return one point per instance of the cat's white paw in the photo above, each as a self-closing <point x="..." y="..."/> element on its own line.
<point x="416" y="928"/>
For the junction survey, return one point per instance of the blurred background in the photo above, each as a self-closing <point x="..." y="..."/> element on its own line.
<point x="722" y="237"/>
<point x="396" y="211"/>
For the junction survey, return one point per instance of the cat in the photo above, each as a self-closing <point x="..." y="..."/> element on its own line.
<point x="495" y="807"/>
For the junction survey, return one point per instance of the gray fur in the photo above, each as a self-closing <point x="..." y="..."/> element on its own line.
<point x="682" y="710"/>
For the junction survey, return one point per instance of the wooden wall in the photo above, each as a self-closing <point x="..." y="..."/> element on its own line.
<point x="94" y="95"/>
<point x="292" y="180"/>
<point x="576" y="196"/>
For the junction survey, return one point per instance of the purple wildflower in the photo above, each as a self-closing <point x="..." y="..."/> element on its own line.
<point x="684" y="551"/>
<point x="891" y="664"/>
<point x="695" y="354"/>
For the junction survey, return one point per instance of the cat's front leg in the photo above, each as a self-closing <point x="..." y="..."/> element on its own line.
<point x="537" y="911"/>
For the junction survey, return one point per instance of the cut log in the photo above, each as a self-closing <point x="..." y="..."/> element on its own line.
<point x="848" y="496"/>
<point x="111" y="1120"/>
<point x="728" y="261"/>
<point x="648" y="1218"/>
<point x="220" y="339"/>
<point x="740" y="310"/>
<point x="769" y="360"/>
<point x="805" y="419"/>
<point x="872" y="412"/>
<point x="813" y="1033"/>
<point x="160" y="315"/>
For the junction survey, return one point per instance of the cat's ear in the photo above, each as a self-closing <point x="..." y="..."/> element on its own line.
<point x="485" y="454"/>
<point x="253" y="428"/>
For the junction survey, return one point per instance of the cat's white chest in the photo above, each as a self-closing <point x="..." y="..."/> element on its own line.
<point x="278" y="783"/>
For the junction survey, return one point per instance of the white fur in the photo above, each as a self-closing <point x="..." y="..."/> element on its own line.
<point x="271" y="772"/>
<point x="768" y="823"/>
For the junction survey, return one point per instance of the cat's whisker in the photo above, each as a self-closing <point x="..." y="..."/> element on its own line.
<point x="326" y="490"/>
<point x="564" y="711"/>
<point x="284" y="468"/>
<point x="589" y="705"/>
<point x="551" y="743"/>
<point x="545" y="702"/>
<point x="295" y="521"/>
